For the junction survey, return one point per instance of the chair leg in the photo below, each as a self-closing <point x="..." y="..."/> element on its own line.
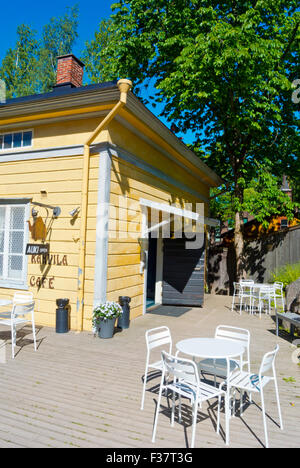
<point x="195" y="412"/>
<point x="173" y="409"/>
<point x="13" y="340"/>
<point x="157" y="410"/>
<point x="227" y="414"/>
<point x="278" y="404"/>
<point x="33" y="332"/>
<point x="218" y="416"/>
<point x="144" y="386"/>
<point x="264" y="418"/>
<point x="232" y="305"/>
<point x="241" y="402"/>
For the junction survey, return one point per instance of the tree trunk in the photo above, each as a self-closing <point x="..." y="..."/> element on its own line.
<point x="239" y="246"/>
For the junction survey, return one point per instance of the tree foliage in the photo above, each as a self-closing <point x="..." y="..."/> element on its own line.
<point x="99" y="68"/>
<point x="30" y="66"/>
<point x="263" y="198"/>
<point x="223" y="70"/>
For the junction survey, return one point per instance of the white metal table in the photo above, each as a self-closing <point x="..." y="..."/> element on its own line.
<point x="214" y="348"/>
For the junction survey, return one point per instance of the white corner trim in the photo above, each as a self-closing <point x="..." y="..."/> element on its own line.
<point x="102" y="233"/>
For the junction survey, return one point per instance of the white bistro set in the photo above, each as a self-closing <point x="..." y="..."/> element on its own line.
<point x="217" y="368"/>
<point x="257" y="296"/>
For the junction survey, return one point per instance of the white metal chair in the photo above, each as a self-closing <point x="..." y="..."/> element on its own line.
<point x="248" y="382"/>
<point x="155" y="338"/>
<point x="245" y="292"/>
<point x="278" y="293"/>
<point x="218" y="367"/>
<point x="186" y="383"/>
<point x="23" y="306"/>
<point x="265" y="293"/>
<point x="236" y="293"/>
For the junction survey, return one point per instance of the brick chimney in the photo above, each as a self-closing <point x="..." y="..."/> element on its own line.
<point x="69" y="71"/>
<point x="285" y="188"/>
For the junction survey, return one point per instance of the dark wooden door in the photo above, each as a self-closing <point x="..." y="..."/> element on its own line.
<point x="183" y="274"/>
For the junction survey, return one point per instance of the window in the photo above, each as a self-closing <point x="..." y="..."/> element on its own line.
<point x="283" y="224"/>
<point x="13" y="238"/>
<point x="14" y="140"/>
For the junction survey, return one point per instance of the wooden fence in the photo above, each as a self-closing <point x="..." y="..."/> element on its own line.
<point x="262" y="257"/>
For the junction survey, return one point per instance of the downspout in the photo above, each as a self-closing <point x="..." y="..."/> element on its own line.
<point x="124" y="87"/>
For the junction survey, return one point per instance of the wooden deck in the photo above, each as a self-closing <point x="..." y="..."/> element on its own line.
<point x="81" y="391"/>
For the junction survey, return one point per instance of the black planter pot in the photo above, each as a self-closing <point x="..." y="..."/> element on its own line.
<point x="62" y="316"/>
<point x="123" y="321"/>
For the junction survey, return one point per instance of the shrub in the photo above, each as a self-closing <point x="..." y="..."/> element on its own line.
<point x="287" y="274"/>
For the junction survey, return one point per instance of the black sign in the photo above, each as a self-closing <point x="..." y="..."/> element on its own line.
<point x="37" y="249"/>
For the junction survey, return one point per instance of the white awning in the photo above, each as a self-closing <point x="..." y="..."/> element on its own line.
<point x="178" y="212"/>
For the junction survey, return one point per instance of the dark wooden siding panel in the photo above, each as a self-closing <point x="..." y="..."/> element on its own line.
<point x="183" y="274"/>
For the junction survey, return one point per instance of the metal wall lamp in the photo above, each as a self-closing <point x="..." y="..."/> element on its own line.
<point x="56" y="209"/>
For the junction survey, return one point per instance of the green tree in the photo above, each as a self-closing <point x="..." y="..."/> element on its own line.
<point x="30" y="67"/>
<point x="20" y="65"/>
<point x="58" y="38"/>
<point x="224" y="70"/>
<point x="263" y="198"/>
<point x="98" y="68"/>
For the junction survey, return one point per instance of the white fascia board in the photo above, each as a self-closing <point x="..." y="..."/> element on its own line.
<point x="179" y="212"/>
<point x="169" y="209"/>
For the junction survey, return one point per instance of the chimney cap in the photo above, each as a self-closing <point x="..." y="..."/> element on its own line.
<point x="73" y="56"/>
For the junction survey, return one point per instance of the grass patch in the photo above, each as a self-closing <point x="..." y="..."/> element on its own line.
<point x="286" y="274"/>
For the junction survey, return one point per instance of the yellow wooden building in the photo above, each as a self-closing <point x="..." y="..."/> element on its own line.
<point x="81" y="169"/>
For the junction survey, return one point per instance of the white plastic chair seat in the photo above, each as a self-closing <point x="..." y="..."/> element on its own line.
<point x="242" y="380"/>
<point x="217" y="367"/>
<point x="190" y="390"/>
<point x="17" y="321"/>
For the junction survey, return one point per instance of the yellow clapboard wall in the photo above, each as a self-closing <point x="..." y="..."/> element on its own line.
<point x="61" y="178"/>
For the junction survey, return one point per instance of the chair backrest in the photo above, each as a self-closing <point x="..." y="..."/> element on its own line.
<point x="267" y="289"/>
<point x="23" y="297"/>
<point x="180" y="368"/>
<point x="157" y="337"/>
<point x="268" y="361"/>
<point x="278" y="285"/>
<point x="23" y="303"/>
<point x="245" y="286"/>
<point x="239" y="335"/>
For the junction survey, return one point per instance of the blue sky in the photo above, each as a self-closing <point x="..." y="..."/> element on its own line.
<point x="36" y="14"/>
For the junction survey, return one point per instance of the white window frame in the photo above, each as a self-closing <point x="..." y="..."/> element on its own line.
<point x="21" y="148"/>
<point x="7" y="282"/>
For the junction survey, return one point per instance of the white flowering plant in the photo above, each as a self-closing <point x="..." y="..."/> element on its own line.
<point x="105" y="311"/>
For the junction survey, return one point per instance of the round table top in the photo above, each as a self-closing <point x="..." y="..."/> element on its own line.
<point x="213" y="348"/>
<point x="5" y="302"/>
